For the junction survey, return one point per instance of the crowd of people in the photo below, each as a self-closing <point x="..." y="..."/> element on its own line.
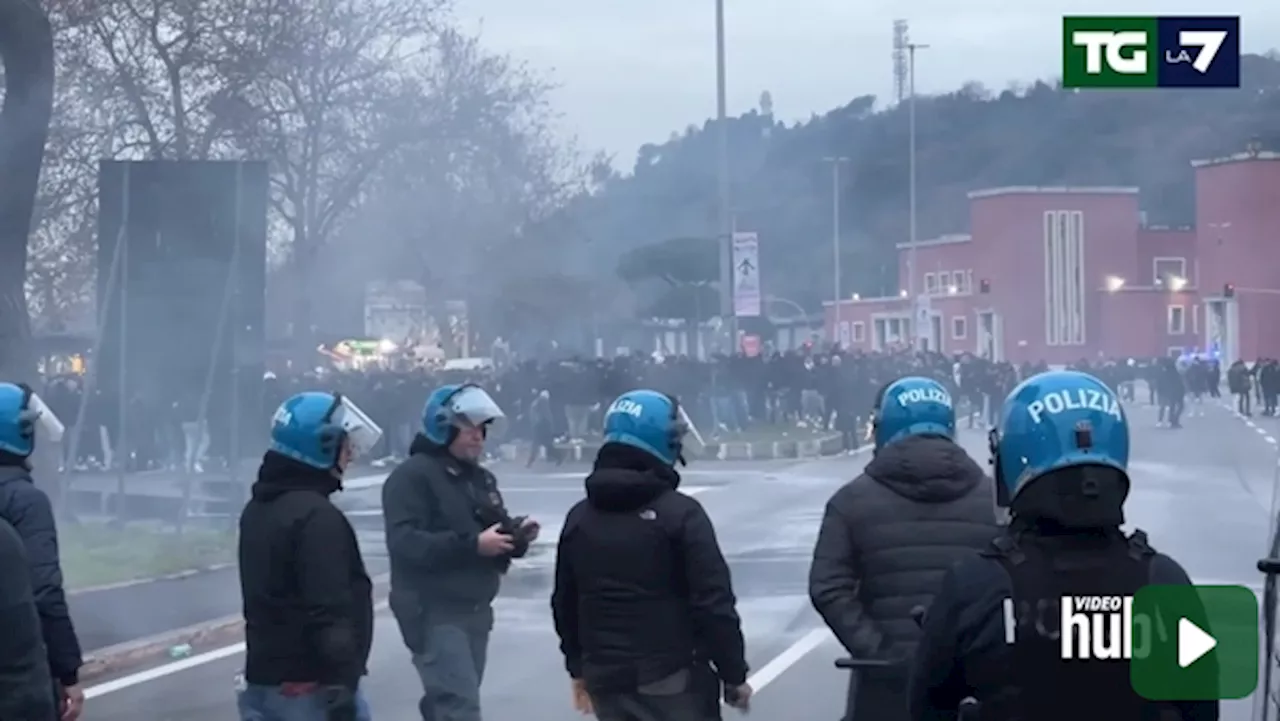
<point x="548" y="402"/>
<point x="622" y="601"/>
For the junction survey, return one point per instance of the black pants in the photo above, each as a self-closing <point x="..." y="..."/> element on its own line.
<point x="1243" y="403"/>
<point x="683" y="706"/>
<point x="685" y="696"/>
<point x="877" y="697"/>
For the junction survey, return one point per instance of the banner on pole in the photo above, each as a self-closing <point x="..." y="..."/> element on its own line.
<point x="747" y="299"/>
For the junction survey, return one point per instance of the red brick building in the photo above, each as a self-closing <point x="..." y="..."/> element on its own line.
<point x="1061" y="274"/>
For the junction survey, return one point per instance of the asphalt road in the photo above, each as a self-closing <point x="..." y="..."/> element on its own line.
<point x="1201" y="493"/>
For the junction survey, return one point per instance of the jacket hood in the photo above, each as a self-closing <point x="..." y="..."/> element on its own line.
<point x="627" y="479"/>
<point x="928" y="469"/>
<point x="279" y="475"/>
<point x="14" y="473"/>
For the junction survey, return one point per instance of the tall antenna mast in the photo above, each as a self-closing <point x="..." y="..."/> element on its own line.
<point x="901" y="37"/>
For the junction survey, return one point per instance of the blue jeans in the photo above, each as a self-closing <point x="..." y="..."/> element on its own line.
<point x="266" y="703"/>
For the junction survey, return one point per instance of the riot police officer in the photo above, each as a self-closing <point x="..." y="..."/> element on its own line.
<point x="888" y="536"/>
<point x="1061" y="454"/>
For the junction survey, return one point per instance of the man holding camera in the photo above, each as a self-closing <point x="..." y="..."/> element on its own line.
<point x="450" y="539"/>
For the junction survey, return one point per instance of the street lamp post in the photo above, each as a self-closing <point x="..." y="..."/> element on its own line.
<point x="836" y="162"/>
<point x="911" y="179"/>
<point x="725" y="219"/>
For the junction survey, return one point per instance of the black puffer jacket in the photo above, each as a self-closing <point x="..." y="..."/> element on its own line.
<point x="888" y="537"/>
<point x="28" y="510"/>
<point x="26" y="688"/>
<point x="641" y="587"/>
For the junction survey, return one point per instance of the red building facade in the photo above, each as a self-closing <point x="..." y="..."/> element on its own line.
<point x="1070" y="273"/>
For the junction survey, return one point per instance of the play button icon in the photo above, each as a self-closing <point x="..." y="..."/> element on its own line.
<point x="1193" y="643"/>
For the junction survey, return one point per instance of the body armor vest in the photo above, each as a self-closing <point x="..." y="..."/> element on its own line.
<point x="1027" y="678"/>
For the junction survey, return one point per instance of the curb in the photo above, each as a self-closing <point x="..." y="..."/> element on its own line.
<point x="203" y="636"/>
<point x="176" y="575"/>
<point x="827" y="445"/>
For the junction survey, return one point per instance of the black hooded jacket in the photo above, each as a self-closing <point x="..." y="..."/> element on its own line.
<point x="28" y="510"/>
<point x="641" y="586"/>
<point x="888" y="537"/>
<point x="26" y="688"/>
<point x="308" y="600"/>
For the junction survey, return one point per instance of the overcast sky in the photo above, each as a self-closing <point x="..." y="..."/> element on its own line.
<point x="632" y="71"/>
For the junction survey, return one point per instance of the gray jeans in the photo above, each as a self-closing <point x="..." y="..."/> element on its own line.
<point x="451" y="667"/>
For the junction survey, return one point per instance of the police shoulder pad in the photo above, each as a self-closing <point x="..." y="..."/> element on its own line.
<point x="1005" y="546"/>
<point x="1139" y="548"/>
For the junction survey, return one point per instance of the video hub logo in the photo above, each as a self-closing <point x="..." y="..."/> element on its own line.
<point x="1103" y="628"/>
<point x="1182" y="643"/>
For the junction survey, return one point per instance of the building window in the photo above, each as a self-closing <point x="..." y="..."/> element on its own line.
<point x="944" y="282"/>
<point x="859" y="332"/>
<point x="1064" y="291"/>
<point x="1175" y="351"/>
<point x="961" y="280"/>
<point x="968" y="280"/>
<point x="1163" y="269"/>
<point x="959" y="327"/>
<point x="1177" y="320"/>
<point x="930" y="284"/>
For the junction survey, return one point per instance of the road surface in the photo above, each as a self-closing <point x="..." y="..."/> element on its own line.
<point x="1202" y="494"/>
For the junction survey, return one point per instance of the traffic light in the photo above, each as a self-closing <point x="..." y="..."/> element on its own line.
<point x="1228" y="290"/>
<point x="984" y="286"/>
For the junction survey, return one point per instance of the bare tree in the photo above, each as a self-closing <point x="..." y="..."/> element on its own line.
<point x="60" y="271"/>
<point x="484" y="167"/>
<point x="163" y="73"/>
<point x="331" y="103"/>
<point x="26" y="52"/>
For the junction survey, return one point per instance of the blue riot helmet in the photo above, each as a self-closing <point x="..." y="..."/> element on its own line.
<point x="310" y="428"/>
<point x="912" y="406"/>
<point x="23" y="417"/>
<point x="649" y="420"/>
<point x="1058" y="420"/>
<point x="457" y="406"/>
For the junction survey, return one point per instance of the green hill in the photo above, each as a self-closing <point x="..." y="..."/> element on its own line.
<point x="970" y="139"/>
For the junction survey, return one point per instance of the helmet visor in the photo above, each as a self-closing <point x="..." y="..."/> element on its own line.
<point x="48" y="427"/>
<point x="362" y="433"/>
<point x="472" y="407"/>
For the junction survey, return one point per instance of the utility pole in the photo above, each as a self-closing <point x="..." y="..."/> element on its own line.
<point x="836" y="162"/>
<point x="911" y="181"/>
<point x="725" y="209"/>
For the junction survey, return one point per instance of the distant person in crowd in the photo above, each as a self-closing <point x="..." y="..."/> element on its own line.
<point x="643" y="603"/>
<point x="888" y="537"/>
<point x="25" y="682"/>
<point x="1240" y="383"/>
<point x="24" y="419"/>
<point x="450" y="540"/>
<point x="308" y="600"/>
<point x="1171" y="389"/>
<point x="543" y="430"/>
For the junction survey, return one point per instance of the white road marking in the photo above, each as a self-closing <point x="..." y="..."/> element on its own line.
<point x="793" y="654"/>
<point x="169" y="669"/>
<point x="1249" y="422"/>
<point x="218" y="654"/>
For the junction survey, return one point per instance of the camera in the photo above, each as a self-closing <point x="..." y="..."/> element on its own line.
<point x="508" y="524"/>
